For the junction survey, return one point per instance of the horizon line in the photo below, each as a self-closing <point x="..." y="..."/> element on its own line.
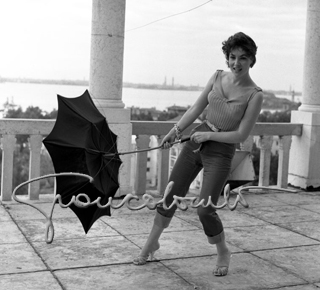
<point x="86" y="82"/>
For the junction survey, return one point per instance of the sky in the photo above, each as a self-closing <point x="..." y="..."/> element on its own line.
<point x="50" y="39"/>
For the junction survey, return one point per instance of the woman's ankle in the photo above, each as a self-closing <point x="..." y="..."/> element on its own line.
<point x="149" y="247"/>
<point x="222" y="248"/>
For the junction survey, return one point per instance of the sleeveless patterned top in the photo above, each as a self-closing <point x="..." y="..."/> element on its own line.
<point x="225" y="114"/>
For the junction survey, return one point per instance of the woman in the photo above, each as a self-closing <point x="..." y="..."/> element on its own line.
<point x="234" y="103"/>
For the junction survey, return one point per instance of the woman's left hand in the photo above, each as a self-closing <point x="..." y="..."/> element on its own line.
<point x="199" y="137"/>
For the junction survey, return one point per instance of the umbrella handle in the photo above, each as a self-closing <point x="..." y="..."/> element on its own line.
<point x="182" y="140"/>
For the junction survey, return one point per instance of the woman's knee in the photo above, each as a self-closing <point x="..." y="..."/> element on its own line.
<point x="169" y="213"/>
<point x="205" y="212"/>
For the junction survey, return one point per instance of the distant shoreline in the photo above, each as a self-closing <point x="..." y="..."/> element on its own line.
<point x="126" y="85"/>
<point x="86" y="83"/>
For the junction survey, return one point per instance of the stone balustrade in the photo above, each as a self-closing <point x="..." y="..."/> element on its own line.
<point x="37" y="129"/>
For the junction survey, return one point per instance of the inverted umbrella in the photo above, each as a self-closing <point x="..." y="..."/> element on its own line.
<point x="78" y="143"/>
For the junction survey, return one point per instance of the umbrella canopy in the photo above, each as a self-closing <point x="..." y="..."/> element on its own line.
<point x="78" y="143"/>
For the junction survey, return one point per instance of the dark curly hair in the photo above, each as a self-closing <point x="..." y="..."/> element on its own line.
<point x="243" y="41"/>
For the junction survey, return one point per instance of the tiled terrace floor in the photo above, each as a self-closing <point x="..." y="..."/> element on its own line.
<point x="275" y="244"/>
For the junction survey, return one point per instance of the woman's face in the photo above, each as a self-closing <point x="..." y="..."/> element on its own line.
<point x="239" y="61"/>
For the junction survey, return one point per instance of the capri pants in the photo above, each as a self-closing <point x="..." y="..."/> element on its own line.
<point x="215" y="158"/>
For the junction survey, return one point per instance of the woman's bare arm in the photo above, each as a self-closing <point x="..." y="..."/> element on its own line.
<point x="192" y="113"/>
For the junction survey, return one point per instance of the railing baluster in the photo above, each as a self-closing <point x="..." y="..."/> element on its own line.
<point x="163" y="169"/>
<point x="141" y="170"/>
<point x="35" y="142"/>
<point x="283" y="163"/>
<point x="7" y="145"/>
<point x="265" y="143"/>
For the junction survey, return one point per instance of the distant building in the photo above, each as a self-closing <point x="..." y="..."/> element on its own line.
<point x="153" y="112"/>
<point x="273" y="104"/>
<point x="177" y="109"/>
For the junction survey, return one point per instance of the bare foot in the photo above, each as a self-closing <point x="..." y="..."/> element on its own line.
<point x="223" y="262"/>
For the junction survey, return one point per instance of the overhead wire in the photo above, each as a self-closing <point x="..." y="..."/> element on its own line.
<point x="169" y="16"/>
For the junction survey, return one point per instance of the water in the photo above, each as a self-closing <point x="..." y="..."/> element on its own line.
<point x="44" y="96"/>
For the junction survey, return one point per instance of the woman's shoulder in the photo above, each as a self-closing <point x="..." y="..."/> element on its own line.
<point x="220" y="72"/>
<point x="214" y="78"/>
<point x="257" y="94"/>
<point x="216" y="75"/>
<point x="256" y="90"/>
<point x="255" y="86"/>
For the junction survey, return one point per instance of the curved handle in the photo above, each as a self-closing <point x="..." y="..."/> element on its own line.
<point x="185" y="139"/>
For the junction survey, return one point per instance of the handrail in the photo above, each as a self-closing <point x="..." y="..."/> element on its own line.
<point x="44" y="127"/>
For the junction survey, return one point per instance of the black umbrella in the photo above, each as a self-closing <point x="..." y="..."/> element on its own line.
<point x="78" y="143"/>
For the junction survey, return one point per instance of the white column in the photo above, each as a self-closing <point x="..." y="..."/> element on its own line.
<point x="304" y="164"/>
<point x="106" y="69"/>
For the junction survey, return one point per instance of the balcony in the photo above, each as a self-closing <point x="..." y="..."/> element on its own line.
<point x="263" y="134"/>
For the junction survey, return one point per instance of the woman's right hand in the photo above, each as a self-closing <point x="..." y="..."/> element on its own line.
<point x="167" y="141"/>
